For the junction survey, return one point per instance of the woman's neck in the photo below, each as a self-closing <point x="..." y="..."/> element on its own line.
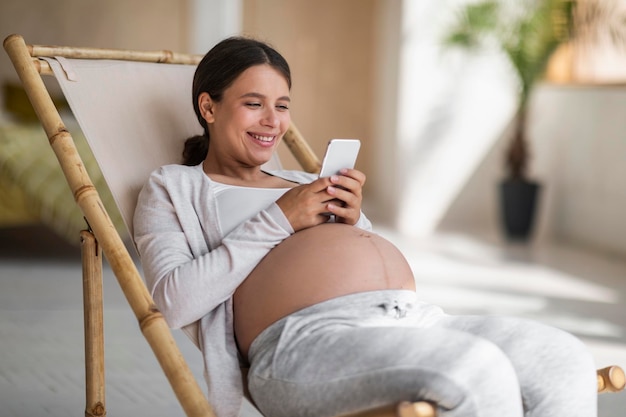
<point x="237" y="174"/>
<point x="234" y="170"/>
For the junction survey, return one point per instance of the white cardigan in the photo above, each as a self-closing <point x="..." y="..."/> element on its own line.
<point x="192" y="269"/>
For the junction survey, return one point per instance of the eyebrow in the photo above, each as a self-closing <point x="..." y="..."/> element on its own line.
<point x="259" y="95"/>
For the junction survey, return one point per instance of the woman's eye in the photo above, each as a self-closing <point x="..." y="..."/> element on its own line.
<point x="253" y="104"/>
<point x="282" y="107"/>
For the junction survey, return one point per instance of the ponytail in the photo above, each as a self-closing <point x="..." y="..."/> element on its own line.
<point x="196" y="150"/>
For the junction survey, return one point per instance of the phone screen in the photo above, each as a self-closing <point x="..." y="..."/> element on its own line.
<point x="340" y="153"/>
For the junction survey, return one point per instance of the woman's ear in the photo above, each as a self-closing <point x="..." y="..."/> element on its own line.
<point x="205" y="104"/>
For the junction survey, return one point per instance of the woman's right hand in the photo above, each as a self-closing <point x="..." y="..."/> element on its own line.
<point x="305" y="205"/>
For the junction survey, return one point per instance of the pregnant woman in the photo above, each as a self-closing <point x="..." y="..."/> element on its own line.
<point x="323" y="311"/>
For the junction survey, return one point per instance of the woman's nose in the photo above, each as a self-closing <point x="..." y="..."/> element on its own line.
<point x="270" y="118"/>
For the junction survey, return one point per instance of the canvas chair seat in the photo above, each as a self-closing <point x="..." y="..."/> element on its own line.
<point x="152" y="117"/>
<point x="136" y="112"/>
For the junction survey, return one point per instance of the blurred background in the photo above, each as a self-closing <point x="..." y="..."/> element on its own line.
<point x="453" y="100"/>
<point x="435" y="120"/>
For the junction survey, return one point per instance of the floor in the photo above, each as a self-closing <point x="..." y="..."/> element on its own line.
<point x="41" y="328"/>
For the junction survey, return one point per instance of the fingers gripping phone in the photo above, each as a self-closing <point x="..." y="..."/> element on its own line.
<point x="340" y="153"/>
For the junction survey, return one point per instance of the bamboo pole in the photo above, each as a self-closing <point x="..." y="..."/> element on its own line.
<point x="417" y="409"/>
<point x="301" y="150"/>
<point x="42" y="67"/>
<point x="94" y="325"/>
<point x="150" y="319"/>
<point x="402" y="409"/>
<point x="611" y="379"/>
<point x="162" y="56"/>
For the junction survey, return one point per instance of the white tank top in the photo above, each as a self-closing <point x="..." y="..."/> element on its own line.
<point x="236" y="204"/>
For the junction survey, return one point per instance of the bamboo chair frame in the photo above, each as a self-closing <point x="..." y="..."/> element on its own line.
<point x="102" y="237"/>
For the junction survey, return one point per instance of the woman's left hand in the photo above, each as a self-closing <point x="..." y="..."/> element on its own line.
<point x="347" y="196"/>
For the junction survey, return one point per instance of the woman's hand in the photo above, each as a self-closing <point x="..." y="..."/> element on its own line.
<point x="305" y="205"/>
<point x="308" y="205"/>
<point x="346" y="189"/>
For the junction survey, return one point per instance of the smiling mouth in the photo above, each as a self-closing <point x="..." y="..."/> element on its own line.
<point x="266" y="139"/>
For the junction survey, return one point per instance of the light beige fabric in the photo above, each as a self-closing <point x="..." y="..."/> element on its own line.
<point x="135" y="116"/>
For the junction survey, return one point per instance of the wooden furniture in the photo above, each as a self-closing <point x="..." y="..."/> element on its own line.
<point x="71" y="66"/>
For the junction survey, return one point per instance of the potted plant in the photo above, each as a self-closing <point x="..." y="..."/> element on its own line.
<point x="527" y="32"/>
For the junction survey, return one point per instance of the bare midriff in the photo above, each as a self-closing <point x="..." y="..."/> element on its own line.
<point x="311" y="266"/>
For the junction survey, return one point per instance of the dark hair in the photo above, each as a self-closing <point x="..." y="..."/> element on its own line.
<point x="217" y="71"/>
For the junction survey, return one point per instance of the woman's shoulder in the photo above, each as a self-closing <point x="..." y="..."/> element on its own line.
<point x="178" y="169"/>
<point x="174" y="172"/>
<point x="174" y="179"/>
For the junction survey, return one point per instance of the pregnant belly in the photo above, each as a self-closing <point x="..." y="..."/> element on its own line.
<point x="311" y="266"/>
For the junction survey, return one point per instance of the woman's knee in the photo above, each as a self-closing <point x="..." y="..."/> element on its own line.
<point x="555" y="369"/>
<point x="525" y="341"/>
<point x="550" y="347"/>
<point x="488" y="379"/>
<point x="567" y="357"/>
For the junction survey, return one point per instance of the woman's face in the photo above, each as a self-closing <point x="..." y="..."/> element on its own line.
<point x="247" y="124"/>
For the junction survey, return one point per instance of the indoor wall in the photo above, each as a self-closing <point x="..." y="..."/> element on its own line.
<point x="137" y="24"/>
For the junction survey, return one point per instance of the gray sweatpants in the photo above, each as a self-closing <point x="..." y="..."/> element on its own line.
<point x="375" y="348"/>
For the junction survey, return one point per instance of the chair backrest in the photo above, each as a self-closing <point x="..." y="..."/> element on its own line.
<point x="135" y="116"/>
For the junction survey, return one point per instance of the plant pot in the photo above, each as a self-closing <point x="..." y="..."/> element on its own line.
<point x="518" y="200"/>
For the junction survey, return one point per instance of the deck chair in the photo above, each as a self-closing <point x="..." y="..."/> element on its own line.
<point x="156" y="109"/>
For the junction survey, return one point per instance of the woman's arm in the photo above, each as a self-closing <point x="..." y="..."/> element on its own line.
<point x="186" y="279"/>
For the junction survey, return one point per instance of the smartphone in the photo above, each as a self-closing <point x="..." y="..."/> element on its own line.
<point x="340" y="153"/>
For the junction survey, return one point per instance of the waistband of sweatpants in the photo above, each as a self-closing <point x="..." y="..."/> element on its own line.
<point x="358" y="304"/>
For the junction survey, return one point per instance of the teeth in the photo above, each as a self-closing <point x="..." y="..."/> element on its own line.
<point x="263" y="138"/>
